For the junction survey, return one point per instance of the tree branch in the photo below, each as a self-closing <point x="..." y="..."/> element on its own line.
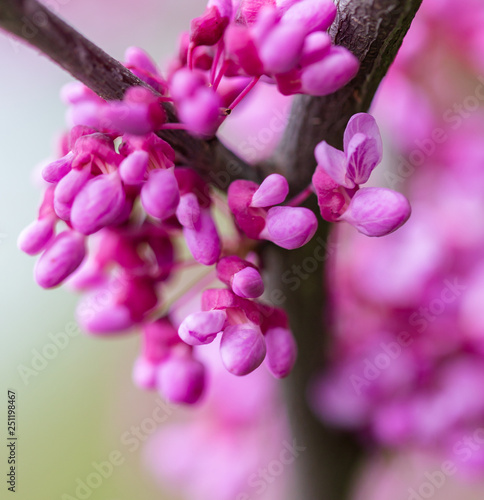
<point x="373" y="30"/>
<point x="37" y="25"/>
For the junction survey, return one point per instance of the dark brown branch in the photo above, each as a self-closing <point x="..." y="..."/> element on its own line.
<point x="373" y="30"/>
<point x="34" y="23"/>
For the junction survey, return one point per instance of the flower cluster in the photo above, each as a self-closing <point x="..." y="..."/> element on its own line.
<point x="234" y="45"/>
<point x="120" y="207"/>
<point x="373" y="211"/>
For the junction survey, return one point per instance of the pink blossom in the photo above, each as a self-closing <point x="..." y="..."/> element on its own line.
<point x="62" y="257"/>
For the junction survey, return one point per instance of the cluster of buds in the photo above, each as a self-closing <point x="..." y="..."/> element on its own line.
<point x="234" y="45"/>
<point x="126" y="204"/>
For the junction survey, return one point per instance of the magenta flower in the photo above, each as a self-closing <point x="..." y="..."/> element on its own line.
<point x="133" y="168"/>
<point x="363" y="150"/>
<point x="61" y="258"/>
<point x="199" y="106"/>
<point x="373" y="211"/>
<point x="241" y="276"/>
<point x="35" y="237"/>
<point x="288" y="227"/>
<point x="99" y="203"/>
<point x="160" y="195"/>
<point x="243" y="324"/>
<point x="281" y="351"/>
<point x="289" y="44"/>
<point x="209" y="28"/>
<point x="181" y="379"/>
<point x="242" y="349"/>
<point x="117" y="305"/>
<point x="377" y="211"/>
<point x="139" y="113"/>
<point x="202" y="327"/>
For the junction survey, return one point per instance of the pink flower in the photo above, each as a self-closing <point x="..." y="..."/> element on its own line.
<point x="377" y="211"/>
<point x="181" y="379"/>
<point x="242" y="349"/>
<point x="61" y="258"/>
<point x="160" y="195"/>
<point x="99" y="203"/>
<point x="281" y="351"/>
<point x="241" y="276"/>
<point x="288" y="227"/>
<point x="202" y="327"/>
<point x="373" y="211"/>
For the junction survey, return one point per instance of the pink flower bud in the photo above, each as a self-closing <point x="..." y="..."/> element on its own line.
<point x="316" y="46"/>
<point x="241" y="276"/>
<point x="242" y="50"/>
<point x="144" y="373"/>
<point x="273" y="190"/>
<point x="377" y="211"/>
<point x="201" y="112"/>
<point x="202" y="327"/>
<point x="160" y="195"/>
<point x="242" y="349"/>
<point x="75" y="92"/>
<point x="34" y="238"/>
<point x="248" y="283"/>
<point x="281" y="351"/>
<point x="282" y="47"/>
<point x="133" y="168"/>
<point x="181" y="380"/>
<point x="158" y="337"/>
<point x="68" y="187"/>
<point x="185" y="83"/>
<point x="55" y="171"/>
<point x="99" y="203"/>
<point x="112" y="319"/>
<point x="139" y="113"/>
<point x="331" y="73"/>
<point x="250" y="219"/>
<point x="203" y="241"/>
<point x="188" y="211"/>
<point x="62" y="257"/>
<point x="209" y="28"/>
<point x="139" y="59"/>
<point x="290" y="227"/>
<point x="311" y="15"/>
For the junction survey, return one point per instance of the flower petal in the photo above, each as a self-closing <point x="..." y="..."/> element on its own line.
<point x="333" y="162"/>
<point x="377" y="211"/>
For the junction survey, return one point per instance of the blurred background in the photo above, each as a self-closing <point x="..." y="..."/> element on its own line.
<point x="77" y="406"/>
